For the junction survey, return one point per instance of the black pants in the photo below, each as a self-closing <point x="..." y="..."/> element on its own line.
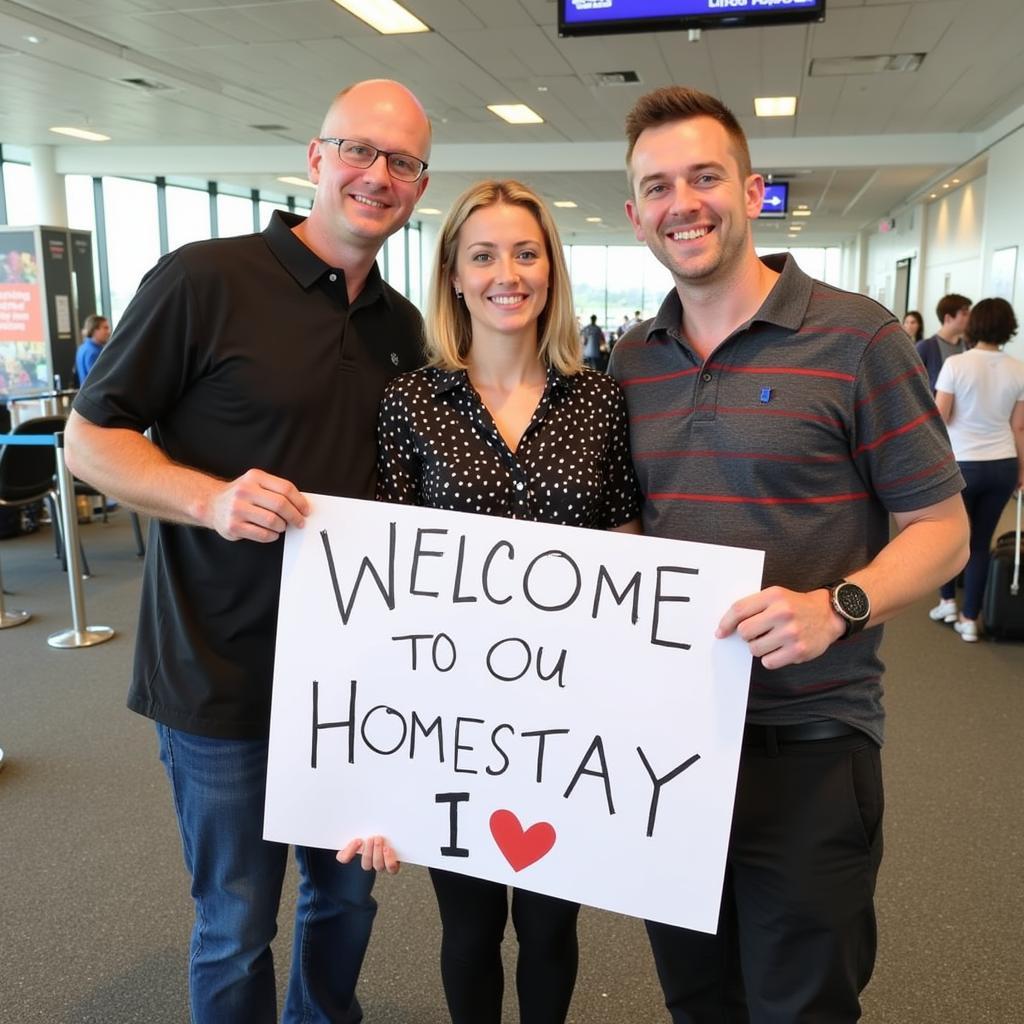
<point x="473" y="916"/>
<point x="796" y="938"/>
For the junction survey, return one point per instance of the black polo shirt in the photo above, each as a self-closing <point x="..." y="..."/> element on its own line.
<point x="242" y="353"/>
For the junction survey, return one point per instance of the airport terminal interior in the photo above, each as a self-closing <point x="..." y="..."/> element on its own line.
<point x="891" y="134"/>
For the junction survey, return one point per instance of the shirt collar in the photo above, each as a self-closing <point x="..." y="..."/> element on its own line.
<point x="453" y="380"/>
<point x="785" y="305"/>
<point x="304" y="265"/>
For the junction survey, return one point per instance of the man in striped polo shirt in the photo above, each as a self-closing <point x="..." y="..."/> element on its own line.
<point x="769" y="410"/>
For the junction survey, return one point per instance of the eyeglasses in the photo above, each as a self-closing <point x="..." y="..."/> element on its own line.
<point x="362" y="154"/>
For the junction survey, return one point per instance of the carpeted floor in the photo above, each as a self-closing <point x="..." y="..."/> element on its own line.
<point x="94" y="905"/>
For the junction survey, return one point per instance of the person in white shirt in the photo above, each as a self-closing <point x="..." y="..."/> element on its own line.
<point x="980" y="395"/>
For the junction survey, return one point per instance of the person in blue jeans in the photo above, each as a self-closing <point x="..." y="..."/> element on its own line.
<point x="980" y="395"/>
<point x="257" y="364"/>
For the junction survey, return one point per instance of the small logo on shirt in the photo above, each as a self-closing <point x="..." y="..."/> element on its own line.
<point x="766" y="396"/>
<point x="394" y="358"/>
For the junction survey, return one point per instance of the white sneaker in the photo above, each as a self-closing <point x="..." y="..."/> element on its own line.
<point x="968" y="630"/>
<point x="944" y="611"/>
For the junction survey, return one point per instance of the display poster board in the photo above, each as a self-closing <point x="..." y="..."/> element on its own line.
<point x="543" y="706"/>
<point x="24" y="365"/>
<point x="1004" y="273"/>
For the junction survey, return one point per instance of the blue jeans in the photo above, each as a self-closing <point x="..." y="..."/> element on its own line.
<point x="989" y="486"/>
<point x="218" y="787"/>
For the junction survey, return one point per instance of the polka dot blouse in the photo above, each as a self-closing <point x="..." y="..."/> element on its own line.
<point x="439" y="447"/>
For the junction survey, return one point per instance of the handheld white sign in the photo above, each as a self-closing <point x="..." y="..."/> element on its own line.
<point x="543" y="706"/>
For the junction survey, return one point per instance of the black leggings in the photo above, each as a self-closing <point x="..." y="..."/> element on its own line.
<point x="473" y="916"/>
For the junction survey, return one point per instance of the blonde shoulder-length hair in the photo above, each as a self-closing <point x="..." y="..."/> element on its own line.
<point x="449" y="332"/>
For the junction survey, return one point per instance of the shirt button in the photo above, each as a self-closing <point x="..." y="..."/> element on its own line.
<point x="705" y="377"/>
<point x="333" y="277"/>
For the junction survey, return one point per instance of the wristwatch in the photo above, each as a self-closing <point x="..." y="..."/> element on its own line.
<point x="851" y="604"/>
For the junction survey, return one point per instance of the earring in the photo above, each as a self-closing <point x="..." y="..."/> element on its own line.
<point x="458" y="294"/>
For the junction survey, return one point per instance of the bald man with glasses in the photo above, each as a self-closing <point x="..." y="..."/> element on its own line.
<point x="257" y="364"/>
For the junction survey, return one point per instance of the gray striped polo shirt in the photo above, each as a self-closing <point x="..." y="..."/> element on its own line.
<point x="801" y="432"/>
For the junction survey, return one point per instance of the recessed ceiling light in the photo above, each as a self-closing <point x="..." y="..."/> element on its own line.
<point x="933" y="196"/>
<point x="802" y="206"/>
<point x="34" y="39"/>
<point x="386" y="16"/>
<point x="945" y="186"/>
<point x="542" y="88"/>
<point x="80" y="133"/>
<point x="515" y="113"/>
<point x="802" y="212"/>
<point x="956" y="181"/>
<point x="593" y="220"/>
<point x="290" y="179"/>
<point x="427" y="210"/>
<point x="565" y="204"/>
<point x="796" y="227"/>
<point x="775" y="106"/>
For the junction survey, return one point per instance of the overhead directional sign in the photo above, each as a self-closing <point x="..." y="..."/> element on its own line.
<point x="776" y="199"/>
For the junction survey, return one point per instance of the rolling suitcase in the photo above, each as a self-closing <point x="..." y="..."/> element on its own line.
<point x="1003" y="605"/>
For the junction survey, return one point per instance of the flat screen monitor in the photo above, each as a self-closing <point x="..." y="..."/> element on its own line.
<point x="776" y="200"/>
<point x="606" y="17"/>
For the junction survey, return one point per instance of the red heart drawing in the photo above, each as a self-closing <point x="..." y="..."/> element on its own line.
<point x="521" y="849"/>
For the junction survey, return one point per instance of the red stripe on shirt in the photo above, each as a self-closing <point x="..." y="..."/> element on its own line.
<point x="626" y="382"/>
<point x="888" y="385"/>
<point x="887" y="332"/>
<point x="890" y="434"/>
<point x="931" y="470"/>
<point x="844" y="331"/>
<point x="765" y="456"/>
<point x="734" y="499"/>
<point x="790" y="370"/>
<point x="735" y="410"/>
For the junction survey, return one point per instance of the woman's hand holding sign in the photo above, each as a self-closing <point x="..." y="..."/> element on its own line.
<point x="377" y="854"/>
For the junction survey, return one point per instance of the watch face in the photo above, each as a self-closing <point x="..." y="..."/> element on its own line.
<point x="853" y="601"/>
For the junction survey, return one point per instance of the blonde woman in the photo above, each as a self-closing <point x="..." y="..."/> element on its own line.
<point x="503" y="421"/>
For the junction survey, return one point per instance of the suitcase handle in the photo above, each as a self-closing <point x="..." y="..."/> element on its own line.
<point x="1015" y="585"/>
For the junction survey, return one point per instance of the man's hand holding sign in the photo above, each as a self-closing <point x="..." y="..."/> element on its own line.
<point x="511" y="700"/>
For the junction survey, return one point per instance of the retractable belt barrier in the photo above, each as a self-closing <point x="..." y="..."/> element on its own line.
<point x="80" y="635"/>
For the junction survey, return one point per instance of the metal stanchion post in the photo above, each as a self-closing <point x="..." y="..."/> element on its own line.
<point x="79" y="635"/>
<point x="8" y="619"/>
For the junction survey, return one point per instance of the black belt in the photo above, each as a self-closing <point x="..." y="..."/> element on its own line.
<point x="770" y="736"/>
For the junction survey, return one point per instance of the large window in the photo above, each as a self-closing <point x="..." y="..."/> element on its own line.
<point x="133" y="237"/>
<point x="823" y="264"/>
<point x="20" y="193"/>
<point x="614" y="281"/>
<point x="234" y="215"/>
<point x="188" y="215"/>
<point x="396" y="268"/>
<point x="415" y="265"/>
<point x="266" y="209"/>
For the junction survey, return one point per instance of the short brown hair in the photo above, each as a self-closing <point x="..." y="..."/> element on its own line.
<point x="681" y="103"/>
<point x="991" y="321"/>
<point x="950" y="305"/>
<point x="449" y="332"/>
<point x="92" y="321"/>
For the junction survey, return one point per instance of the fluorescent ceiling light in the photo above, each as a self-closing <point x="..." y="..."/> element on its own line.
<point x="515" y="113"/>
<point x="386" y="16"/>
<point x="81" y="133"/>
<point x="826" y="66"/>
<point x="593" y="220"/>
<point x="565" y="204"/>
<point x="775" y="106"/>
<point x="801" y="213"/>
<point x="292" y="180"/>
<point x="428" y="210"/>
